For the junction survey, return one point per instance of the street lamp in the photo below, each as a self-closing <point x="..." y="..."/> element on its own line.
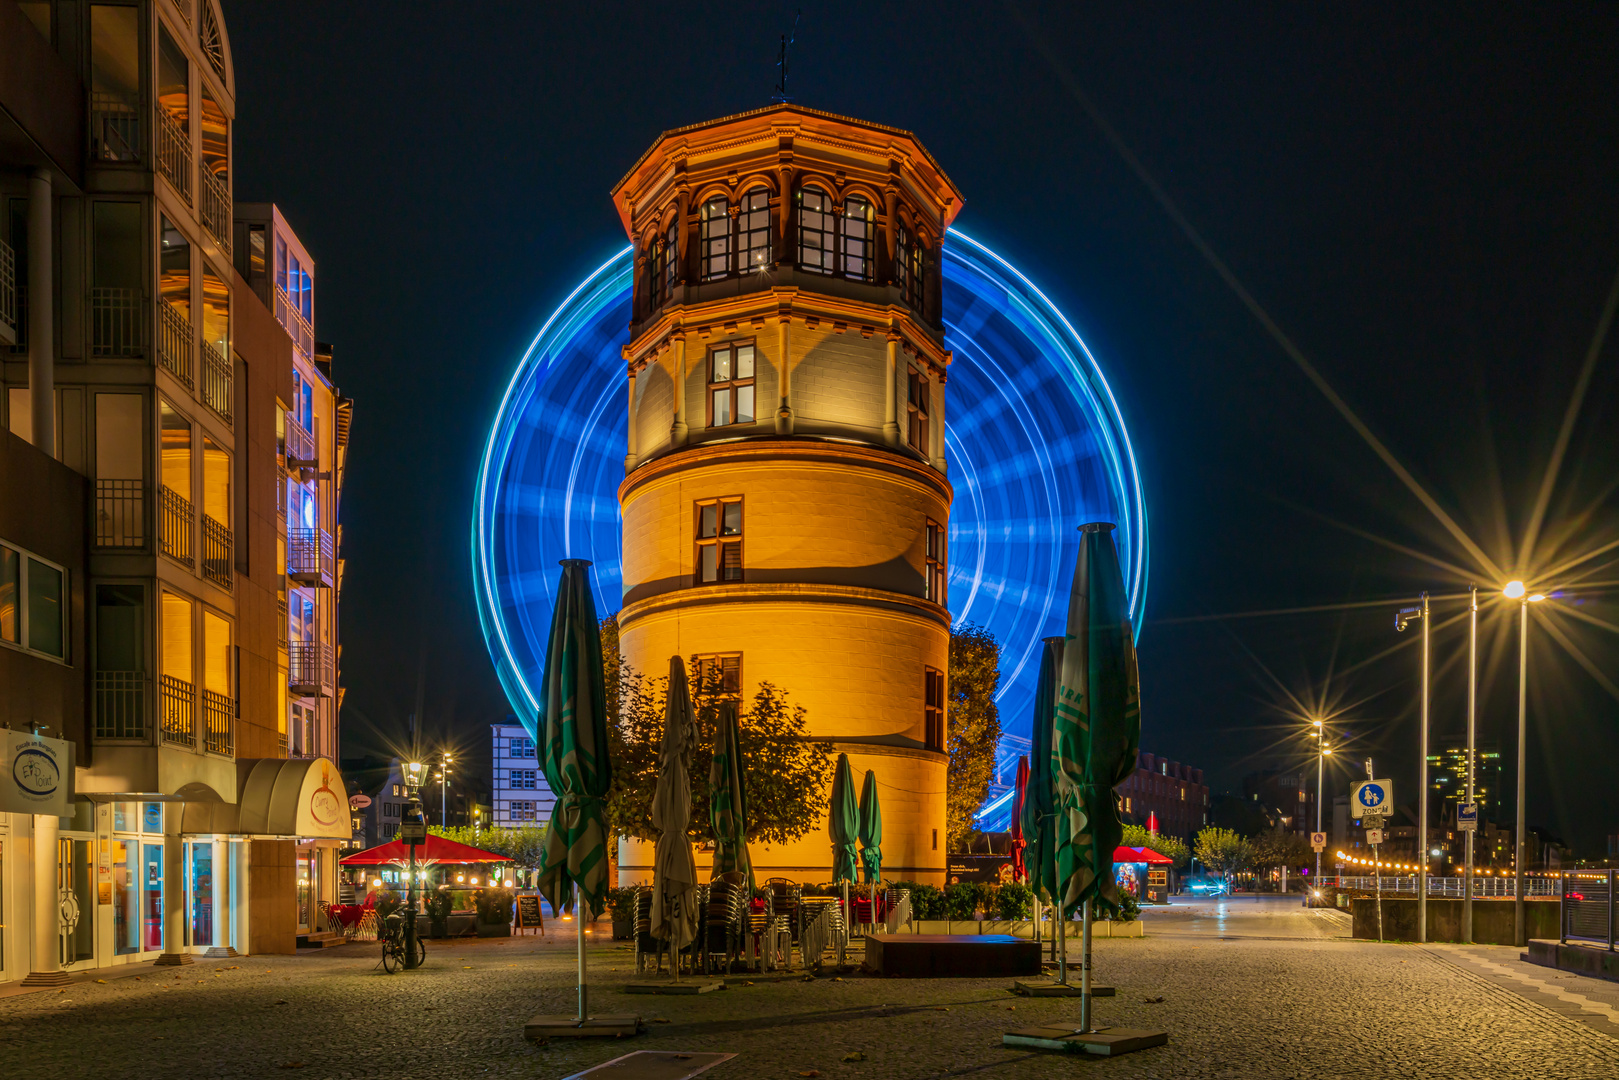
<point x="1320" y="792"/>
<point x="413" y="771"/>
<point x="1515" y="590"/>
<point x="1401" y="620"/>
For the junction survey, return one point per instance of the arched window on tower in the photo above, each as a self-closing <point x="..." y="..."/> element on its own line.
<point x="816" y="231"/>
<point x="657" y="257"/>
<point x="671" y="272"/>
<point x="858" y="225"/>
<point x="908" y="266"/>
<point x="753" y="232"/>
<point x="715" y="239"/>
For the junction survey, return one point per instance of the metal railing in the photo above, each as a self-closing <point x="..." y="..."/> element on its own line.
<point x="115" y="128"/>
<point x="311" y="556"/>
<point x="121" y="513"/>
<point x="173" y="152"/>
<point x="219" y="732"/>
<point x="120" y="704"/>
<point x="176" y="344"/>
<point x="214" y="207"/>
<point x="217" y="560"/>
<point x="178" y="703"/>
<point x="309" y="668"/>
<point x="8" y="291"/>
<point x="300" y="445"/>
<point x="282" y="635"/>
<point x="216" y="381"/>
<point x="281" y="743"/>
<point x="179" y="519"/>
<point x="297" y="327"/>
<point x="115" y="321"/>
<point x="1588" y="909"/>
<point x="1452" y="886"/>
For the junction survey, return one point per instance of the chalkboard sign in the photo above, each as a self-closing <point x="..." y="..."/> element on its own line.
<point x="528" y="913"/>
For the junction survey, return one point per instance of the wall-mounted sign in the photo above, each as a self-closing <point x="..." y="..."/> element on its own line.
<point x="359" y="802"/>
<point x="37" y="775"/>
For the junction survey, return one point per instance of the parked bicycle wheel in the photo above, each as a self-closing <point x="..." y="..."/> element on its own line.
<point x="421" y="952"/>
<point x="393" y="957"/>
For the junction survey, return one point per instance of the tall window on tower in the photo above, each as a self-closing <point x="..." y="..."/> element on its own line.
<point x="730" y="385"/>
<point x="719" y="540"/>
<point x="859" y="222"/>
<point x="933" y="708"/>
<point x="753" y="232"/>
<point x="935" y="566"/>
<point x="908" y="266"/>
<point x="715" y="239"/>
<point x="916" y="405"/>
<point x="816" y="231"/>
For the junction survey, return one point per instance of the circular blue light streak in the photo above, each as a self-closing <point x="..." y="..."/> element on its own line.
<point x="1034" y="437"/>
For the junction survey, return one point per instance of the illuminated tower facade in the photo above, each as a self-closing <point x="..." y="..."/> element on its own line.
<point x="785" y="502"/>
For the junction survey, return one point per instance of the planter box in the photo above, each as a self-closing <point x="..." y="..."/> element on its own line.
<point x="1024" y="928"/>
<point x="497" y="930"/>
<point x="623" y="929"/>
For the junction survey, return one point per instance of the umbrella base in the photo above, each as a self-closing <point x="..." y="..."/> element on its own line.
<point x="673" y="987"/>
<point x="570" y="1027"/>
<point x="1107" y="1042"/>
<point x="1052" y="988"/>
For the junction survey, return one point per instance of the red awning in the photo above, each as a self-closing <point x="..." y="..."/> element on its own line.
<point x="436" y="848"/>
<point x="1141" y="855"/>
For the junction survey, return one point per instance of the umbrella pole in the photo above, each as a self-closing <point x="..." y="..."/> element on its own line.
<point x="1061" y="944"/>
<point x="1085" y="972"/>
<point x="579" y="925"/>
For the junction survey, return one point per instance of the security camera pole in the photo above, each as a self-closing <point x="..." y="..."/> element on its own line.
<point x="1401" y="621"/>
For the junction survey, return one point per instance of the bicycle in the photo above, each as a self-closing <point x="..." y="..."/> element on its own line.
<point x="392" y="937"/>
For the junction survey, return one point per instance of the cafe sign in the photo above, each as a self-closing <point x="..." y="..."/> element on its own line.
<point x="37" y="775"/>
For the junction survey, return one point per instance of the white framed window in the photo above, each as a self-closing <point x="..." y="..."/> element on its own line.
<point x="33" y="599"/>
<point x="753" y="232"/>
<point x="525" y="779"/>
<point x="522" y="748"/>
<point x="715" y="239"/>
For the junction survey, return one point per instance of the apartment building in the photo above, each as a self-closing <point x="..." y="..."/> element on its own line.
<point x="519" y="794"/>
<point x="139" y="353"/>
<point x="1166" y="791"/>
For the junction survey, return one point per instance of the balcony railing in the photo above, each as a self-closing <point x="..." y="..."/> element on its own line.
<point x="115" y="322"/>
<point x="176" y="344"/>
<point x="8" y="294"/>
<point x="216" y="381"/>
<point x="281" y="634"/>
<point x="179" y="708"/>
<point x="219" y="729"/>
<point x="214" y="207"/>
<point x="297" y="327"/>
<point x="309" y="668"/>
<point x="281" y="743"/>
<point x="121" y="513"/>
<point x="311" y="557"/>
<point x="120" y="704"/>
<point x="115" y="128"/>
<point x="300" y="446"/>
<point x="174" y="152"/>
<point x="217" y="558"/>
<point x="178" y="526"/>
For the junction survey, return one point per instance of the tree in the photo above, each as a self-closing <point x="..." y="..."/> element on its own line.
<point x="1168" y="846"/>
<point x="785" y="777"/>
<point x="1221" y="850"/>
<point x="974" y="728"/>
<point x="1275" y="847"/>
<point x="522" y="845"/>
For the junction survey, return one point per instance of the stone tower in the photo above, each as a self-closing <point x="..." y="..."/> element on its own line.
<point x="785" y="502"/>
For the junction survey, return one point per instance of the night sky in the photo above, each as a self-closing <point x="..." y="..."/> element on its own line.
<point x="1426" y="203"/>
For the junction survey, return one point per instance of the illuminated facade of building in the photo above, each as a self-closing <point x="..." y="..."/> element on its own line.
<point x="1448" y="772"/>
<point x="785" y="504"/>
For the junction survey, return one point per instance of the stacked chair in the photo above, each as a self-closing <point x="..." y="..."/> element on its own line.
<point x="785" y="897"/>
<point x="644" y="941"/>
<point x="723" y="919"/>
<point x="898" y="905"/>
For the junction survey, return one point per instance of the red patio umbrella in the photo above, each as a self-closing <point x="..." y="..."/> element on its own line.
<point x="436" y="848"/>
<point x="1019" y="793"/>
<point x="1141" y="855"/>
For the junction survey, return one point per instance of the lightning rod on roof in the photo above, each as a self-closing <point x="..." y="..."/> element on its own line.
<point x="781" y="96"/>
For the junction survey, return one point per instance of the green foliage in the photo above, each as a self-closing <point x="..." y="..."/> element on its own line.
<point x="1167" y="846"/>
<point x="1222" y="850"/>
<point x="388" y="902"/>
<point x="523" y="845"/>
<point x="494" y="905"/>
<point x="974" y="728"/>
<point x="927" y="901"/>
<point x="1129" y="907"/>
<point x="962" y="900"/>
<point x="440" y="902"/>
<point x="785" y="775"/>
<point x="1277" y="848"/>
<point x="1013" y="900"/>
<point x="621" y="902"/>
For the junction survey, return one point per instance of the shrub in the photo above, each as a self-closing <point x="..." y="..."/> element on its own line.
<point x="1014" y="900"/>
<point x="388" y="902"/>
<point x="1129" y="907"/>
<point x="961" y="900"/>
<point x="440" y="903"/>
<point x="494" y="905"/>
<point x="621" y="902"/>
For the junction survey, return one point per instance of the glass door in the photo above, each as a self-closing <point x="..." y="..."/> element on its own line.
<point x="126" y="901"/>
<point x="305" y="902"/>
<point x="78" y="881"/>
<point x="151" y="897"/>
<point x="200" y="890"/>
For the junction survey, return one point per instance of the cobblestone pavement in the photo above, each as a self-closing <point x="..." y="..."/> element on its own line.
<point x="1245" y="988"/>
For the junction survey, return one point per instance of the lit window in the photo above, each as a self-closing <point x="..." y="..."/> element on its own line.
<point x="522" y="748"/>
<point x="720" y="673"/>
<point x="671" y="272"/>
<point x="730" y="385"/>
<point x="524" y="778"/>
<point x="753" y="231"/>
<point x="858" y="225"/>
<point x="936" y="567"/>
<point x="815" y="235"/>
<point x="716" y="239"/>
<point x="719" y="540"/>
<point x="916" y="406"/>
<point x="657" y="258"/>
<point x="908" y="266"/>
<point x="933" y="708"/>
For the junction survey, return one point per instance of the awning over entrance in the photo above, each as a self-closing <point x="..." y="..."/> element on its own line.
<point x="292" y="797"/>
<point x="435" y="848"/>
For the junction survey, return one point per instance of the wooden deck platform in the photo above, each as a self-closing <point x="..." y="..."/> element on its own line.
<point x="944" y="956"/>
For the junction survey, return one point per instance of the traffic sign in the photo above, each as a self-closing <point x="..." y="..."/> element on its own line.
<point x="412" y="831"/>
<point x="1467" y="817"/>
<point x="1374" y="836"/>
<point x="1374" y="798"/>
<point x="1318" y="841"/>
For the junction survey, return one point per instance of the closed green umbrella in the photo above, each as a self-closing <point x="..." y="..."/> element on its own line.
<point x="572" y="734"/>
<point x="674" y="873"/>
<point x="843" y="819"/>
<point x="727" y="802"/>
<point x="1039" y="827"/>
<point x="871" y="830"/>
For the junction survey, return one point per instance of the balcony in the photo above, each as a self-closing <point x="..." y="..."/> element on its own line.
<point x="120" y="514"/>
<point x="311" y="671"/>
<point x="214" y="208"/>
<point x="311" y="557"/>
<point x="115" y="128"/>
<point x="217" y="560"/>
<point x="176" y="344"/>
<point x="115" y="322"/>
<point x="219" y="729"/>
<point x="8" y="295"/>
<point x="178" y="526"/>
<point x="120" y="700"/>
<point x="178" y="703"/>
<point x="297" y="327"/>
<point x="281" y="634"/>
<point x="216" y="380"/>
<point x="173" y="152"/>
<point x="300" y="446"/>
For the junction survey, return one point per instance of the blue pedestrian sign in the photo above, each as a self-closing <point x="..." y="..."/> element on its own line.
<point x="1374" y="798"/>
<point x="1467" y="817"/>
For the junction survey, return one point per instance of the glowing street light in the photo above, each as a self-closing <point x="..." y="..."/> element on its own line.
<point x="1513" y="591"/>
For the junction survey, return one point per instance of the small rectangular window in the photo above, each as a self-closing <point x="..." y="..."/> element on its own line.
<point x="720" y="673"/>
<point x="936" y="569"/>
<point x="916" y="406"/>
<point x="731" y="385"/>
<point x="719" y="540"/>
<point x="933" y="708"/>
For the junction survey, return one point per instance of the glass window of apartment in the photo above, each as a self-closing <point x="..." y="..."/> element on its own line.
<point x="730" y="384"/>
<point x="115" y="81"/>
<point x="116" y="274"/>
<point x="719" y="540"/>
<point x="178" y="661"/>
<point x="753" y="230"/>
<point x="216" y="501"/>
<point x="255" y="251"/>
<point x="525" y="779"/>
<point x="176" y="451"/>
<point x="916" y="406"/>
<point x="908" y="266"/>
<point x="120" y="514"/>
<point x="120" y="664"/>
<point x="933" y="707"/>
<point x="32" y="592"/>
<point x="715" y="238"/>
<point x="936" y="568"/>
<point x="216" y="654"/>
<point x="281" y="264"/>
<point x="859" y="224"/>
<point x="126" y="923"/>
<point x="38" y="12"/>
<point x="215" y="139"/>
<point x="215" y="313"/>
<point x="522" y="748"/>
<point x="815" y="230"/>
<point x="173" y="79"/>
<point x="174" y="269"/>
<point x="720" y="674"/>
<point x="10" y="595"/>
<point x="656" y="257"/>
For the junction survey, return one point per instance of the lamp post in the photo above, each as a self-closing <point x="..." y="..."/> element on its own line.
<point x="413" y="780"/>
<point x="444" y="790"/>
<point x="1320" y="791"/>
<point x="1515" y="590"/>
<point x="1472" y="753"/>
<point x="1401" y="621"/>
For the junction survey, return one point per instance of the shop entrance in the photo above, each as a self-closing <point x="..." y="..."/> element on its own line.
<point x="75" y="900"/>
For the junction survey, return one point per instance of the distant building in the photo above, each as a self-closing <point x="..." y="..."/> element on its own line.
<point x="519" y="793"/>
<point x="1286" y="797"/>
<point x="1447" y="771"/>
<point x="1175" y="793"/>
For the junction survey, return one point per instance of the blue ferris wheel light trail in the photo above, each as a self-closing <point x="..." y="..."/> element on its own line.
<point x="1034" y="438"/>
